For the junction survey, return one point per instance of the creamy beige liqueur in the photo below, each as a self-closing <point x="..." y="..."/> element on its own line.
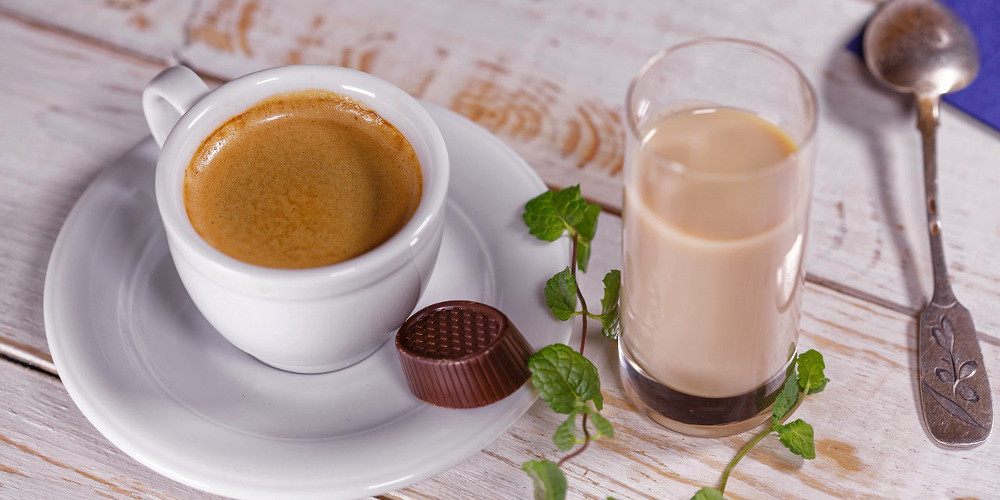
<point x="713" y="246"/>
<point x="303" y="179"/>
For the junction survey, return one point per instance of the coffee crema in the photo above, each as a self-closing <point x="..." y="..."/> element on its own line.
<point x="302" y="179"/>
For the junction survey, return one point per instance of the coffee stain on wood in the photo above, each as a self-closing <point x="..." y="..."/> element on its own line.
<point x="114" y="487"/>
<point x="844" y="454"/>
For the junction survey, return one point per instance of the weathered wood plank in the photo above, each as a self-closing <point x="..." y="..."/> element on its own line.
<point x="48" y="450"/>
<point x="151" y="28"/>
<point x="69" y="109"/>
<point x="74" y="107"/>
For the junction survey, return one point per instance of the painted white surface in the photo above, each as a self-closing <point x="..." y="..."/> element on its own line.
<point x="549" y="80"/>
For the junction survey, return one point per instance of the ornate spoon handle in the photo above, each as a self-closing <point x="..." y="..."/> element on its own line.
<point x="954" y="389"/>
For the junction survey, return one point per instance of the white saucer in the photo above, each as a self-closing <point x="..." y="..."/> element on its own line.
<point x="152" y="376"/>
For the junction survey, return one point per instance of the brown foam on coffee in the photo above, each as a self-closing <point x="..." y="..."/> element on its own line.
<point x="302" y="179"/>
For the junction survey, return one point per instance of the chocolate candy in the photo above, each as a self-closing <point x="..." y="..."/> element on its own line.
<point x="462" y="354"/>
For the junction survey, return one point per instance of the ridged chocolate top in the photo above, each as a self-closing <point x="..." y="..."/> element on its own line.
<point x="453" y="332"/>
<point x="462" y="354"/>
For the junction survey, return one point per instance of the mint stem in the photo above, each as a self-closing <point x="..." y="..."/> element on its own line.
<point x="583" y="343"/>
<point x="583" y="304"/>
<point x="586" y="442"/>
<point x="753" y="442"/>
<point x="746" y="448"/>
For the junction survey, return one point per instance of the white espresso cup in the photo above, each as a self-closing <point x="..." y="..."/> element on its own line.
<point x="301" y="320"/>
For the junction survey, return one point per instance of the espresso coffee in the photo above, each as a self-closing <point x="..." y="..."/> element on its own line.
<point x="302" y="179"/>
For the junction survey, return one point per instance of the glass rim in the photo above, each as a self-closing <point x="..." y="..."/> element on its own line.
<point x="801" y="146"/>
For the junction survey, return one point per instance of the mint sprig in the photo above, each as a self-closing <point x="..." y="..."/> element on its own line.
<point x="560" y="294"/>
<point x="610" y="325"/>
<point x="548" y="478"/>
<point x="708" y="494"/>
<point x="553" y="213"/>
<point x="811" y="366"/>
<point x="567" y="381"/>
<point x="797" y="436"/>
<point x="570" y="384"/>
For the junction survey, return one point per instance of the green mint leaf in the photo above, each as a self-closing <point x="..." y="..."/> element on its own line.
<point x="587" y="226"/>
<point x="786" y="399"/>
<point x="797" y="436"/>
<point x="610" y="325"/>
<point x="602" y="427"/>
<point x="582" y="254"/>
<point x="551" y="213"/>
<point x="572" y="209"/>
<point x="565" y="435"/>
<point x="542" y="219"/>
<point x="565" y="379"/>
<point x="548" y="478"/>
<point x="560" y="294"/>
<point x="708" y="494"/>
<point x="811" y="367"/>
<point x="585" y="231"/>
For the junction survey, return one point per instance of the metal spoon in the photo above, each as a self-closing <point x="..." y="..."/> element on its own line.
<point x="920" y="47"/>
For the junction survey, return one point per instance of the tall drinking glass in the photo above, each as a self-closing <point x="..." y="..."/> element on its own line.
<point x="718" y="175"/>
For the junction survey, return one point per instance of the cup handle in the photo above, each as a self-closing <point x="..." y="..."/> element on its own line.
<point x="168" y="96"/>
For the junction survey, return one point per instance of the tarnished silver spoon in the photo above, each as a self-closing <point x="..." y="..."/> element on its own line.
<point x="920" y="47"/>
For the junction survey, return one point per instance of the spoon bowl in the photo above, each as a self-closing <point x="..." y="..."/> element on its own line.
<point x="920" y="47"/>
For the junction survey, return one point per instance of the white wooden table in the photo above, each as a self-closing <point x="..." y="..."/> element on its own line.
<point x="549" y="79"/>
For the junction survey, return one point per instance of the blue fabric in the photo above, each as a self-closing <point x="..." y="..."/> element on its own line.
<point x="981" y="99"/>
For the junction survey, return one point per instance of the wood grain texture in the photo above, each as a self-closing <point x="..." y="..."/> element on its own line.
<point x="153" y="29"/>
<point x="48" y="449"/>
<point x="549" y="79"/>
<point x="68" y="113"/>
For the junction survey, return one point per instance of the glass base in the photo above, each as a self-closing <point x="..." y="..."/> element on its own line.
<point x="696" y="415"/>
